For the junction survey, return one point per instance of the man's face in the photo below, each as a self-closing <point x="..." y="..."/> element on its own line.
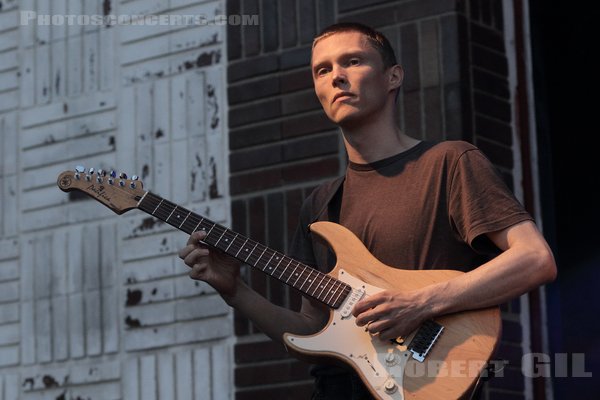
<point x="349" y="77"/>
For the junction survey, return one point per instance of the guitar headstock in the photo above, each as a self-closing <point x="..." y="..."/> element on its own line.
<point x="118" y="193"/>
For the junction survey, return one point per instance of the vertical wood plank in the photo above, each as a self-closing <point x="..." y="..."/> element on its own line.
<point x="126" y="137"/>
<point x="76" y="326"/>
<point x="180" y="168"/>
<point x="60" y="332"/>
<point x="74" y="63"/>
<point x="43" y="266"/>
<point x="110" y="320"/>
<point x="27" y="332"/>
<point x="27" y="84"/>
<point x="183" y="374"/>
<point x="143" y="133"/>
<point x="131" y="379"/>
<point x="58" y="74"/>
<point x="195" y="104"/>
<point x="107" y="58"/>
<point x="202" y="374"/>
<point x="93" y="323"/>
<point x="10" y="206"/>
<point x="178" y="107"/>
<point x="221" y="372"/>
<point x="42" y="74"/>
<point x="59" y="270"/>
<point x="91" y="257"/>
<point x="148" y="377"/>
<point x="74" y="260"/>
<point x="43" y="332"/>
<point x="90" y="58"/>
<point x="166" y="379"/>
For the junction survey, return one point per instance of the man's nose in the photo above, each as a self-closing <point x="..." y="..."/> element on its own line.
<point x="338" y="76"/>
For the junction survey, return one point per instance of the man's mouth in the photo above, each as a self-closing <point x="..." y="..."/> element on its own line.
<point x="342" y="96"/>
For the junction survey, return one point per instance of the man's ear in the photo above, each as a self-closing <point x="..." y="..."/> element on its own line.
<point x="396" y="76"/>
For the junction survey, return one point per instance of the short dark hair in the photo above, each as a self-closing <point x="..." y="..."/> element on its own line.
<point x="375" y="38"/>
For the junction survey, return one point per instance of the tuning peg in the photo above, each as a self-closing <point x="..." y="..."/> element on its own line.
<point x="101" y="172"/>
<point x="123" y="175"/>
<point x="113" y="174"/>
<point x="135" y="178"/>
<point x="80" y="169"/>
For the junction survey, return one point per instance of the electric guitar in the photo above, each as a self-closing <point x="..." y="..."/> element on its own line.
<point x="443" y="359"/>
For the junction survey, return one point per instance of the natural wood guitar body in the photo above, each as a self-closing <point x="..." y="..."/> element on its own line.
<point x="452" y="367"/>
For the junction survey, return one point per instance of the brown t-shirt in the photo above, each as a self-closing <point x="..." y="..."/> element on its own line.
<point x="426" y="208"/>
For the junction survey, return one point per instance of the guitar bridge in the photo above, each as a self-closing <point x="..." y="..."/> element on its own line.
<point x="424" y="339"/>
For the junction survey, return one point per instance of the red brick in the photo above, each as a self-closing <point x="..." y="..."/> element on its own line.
<point x="312" y="169"/>
<point x="251" y="33"/>
<point x="300" y="102"/>
<point x="493" y="129"/>
<point x="234" y="32"/>
<point x="492" y="107"/>
<point x="256" y="180"/>
<point x="487" y="37"/>
<point x="499" y="155"/>
<point x="296" y="80"/>
<point x="308" y="123"/>
<point x="239" y="215"/>
<point x="276" y="221"/>
<point x="490" y="60"/>
<point x="242" y="160"/>
<point x="254" y="112"/>
<point x="257" y="89"/>
<point x="490" y="83"/>
<point x="257" y="134"/>
<point x="288" y="29"/>
<point x="252" y="67"/>
<point x="259" y="351"/>
<point x="269" y="24"/>
<point x="311" y="147"/>
<point x="409" y="57"/>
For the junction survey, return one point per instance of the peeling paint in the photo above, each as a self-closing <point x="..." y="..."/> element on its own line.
<point x="214" y="104"/>
<point x="145" y="171"/>
<point x="106" y="7"/>
<point x="30" y="382"/>
<point x="214" y="187"/>
<point x="133" y="297"/>
<point x="49" y="381"/>
<point x="159" y="133"/>
<point x="57" y="83"/>
<point x="132" y="322"/>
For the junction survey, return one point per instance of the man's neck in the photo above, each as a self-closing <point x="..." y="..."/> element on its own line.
<point x="375" y="141"/>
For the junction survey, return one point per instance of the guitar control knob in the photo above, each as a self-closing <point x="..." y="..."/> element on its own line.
<point x="391" y="359"/>
<point x="390" y="386"/>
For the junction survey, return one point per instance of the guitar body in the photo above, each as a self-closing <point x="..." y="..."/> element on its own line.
<point x="451" y="368"/>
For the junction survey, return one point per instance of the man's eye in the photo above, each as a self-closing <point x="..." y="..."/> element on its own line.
<point x="322" y="71"/>
<point x="354" y="61"/>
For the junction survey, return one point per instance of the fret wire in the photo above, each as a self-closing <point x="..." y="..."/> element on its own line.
<point x="292" y="274"/>
<point x="331" y="287"/>
<point x="242" y="247"/>
<point x="232" y="240"/>
<point x="268" y="262"/>
<point x="251" y="251"/>
<point x="185" y="219"/>
<point x="336" y="286"/>
<point x="161" y="200"/>
<point x="220" y="237"/>
<point x="306" y="280"/>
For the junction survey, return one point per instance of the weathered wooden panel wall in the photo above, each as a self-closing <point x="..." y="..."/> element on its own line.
<point x="92" y="305"/>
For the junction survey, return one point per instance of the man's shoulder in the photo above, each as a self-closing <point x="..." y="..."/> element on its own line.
<point x="452" y="148"/>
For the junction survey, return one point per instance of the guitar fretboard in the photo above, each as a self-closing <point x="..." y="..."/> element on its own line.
<point x="307" y="280"/>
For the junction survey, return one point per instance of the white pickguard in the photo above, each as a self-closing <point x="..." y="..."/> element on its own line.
<point x="382" y="363"/>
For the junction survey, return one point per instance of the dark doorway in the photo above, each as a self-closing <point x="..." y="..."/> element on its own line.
<point x="563" y="37"/>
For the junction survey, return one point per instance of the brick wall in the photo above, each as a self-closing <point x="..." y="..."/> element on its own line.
<point x="456" y="87"/>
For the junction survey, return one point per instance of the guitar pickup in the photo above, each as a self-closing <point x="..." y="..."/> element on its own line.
<point x="424" y="339"/>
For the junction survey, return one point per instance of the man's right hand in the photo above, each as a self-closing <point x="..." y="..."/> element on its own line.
<point x="211" y="266"/>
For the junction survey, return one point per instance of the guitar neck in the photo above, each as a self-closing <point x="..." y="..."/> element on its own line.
<point x="307" y="280"/>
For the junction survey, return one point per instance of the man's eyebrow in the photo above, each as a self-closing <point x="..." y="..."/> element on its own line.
<point x="349" y="54"/>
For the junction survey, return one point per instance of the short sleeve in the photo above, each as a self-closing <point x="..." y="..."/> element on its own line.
<point x="479" y="200"/>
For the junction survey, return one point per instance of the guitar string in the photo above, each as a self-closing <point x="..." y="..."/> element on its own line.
<point x="329" y="286"/>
